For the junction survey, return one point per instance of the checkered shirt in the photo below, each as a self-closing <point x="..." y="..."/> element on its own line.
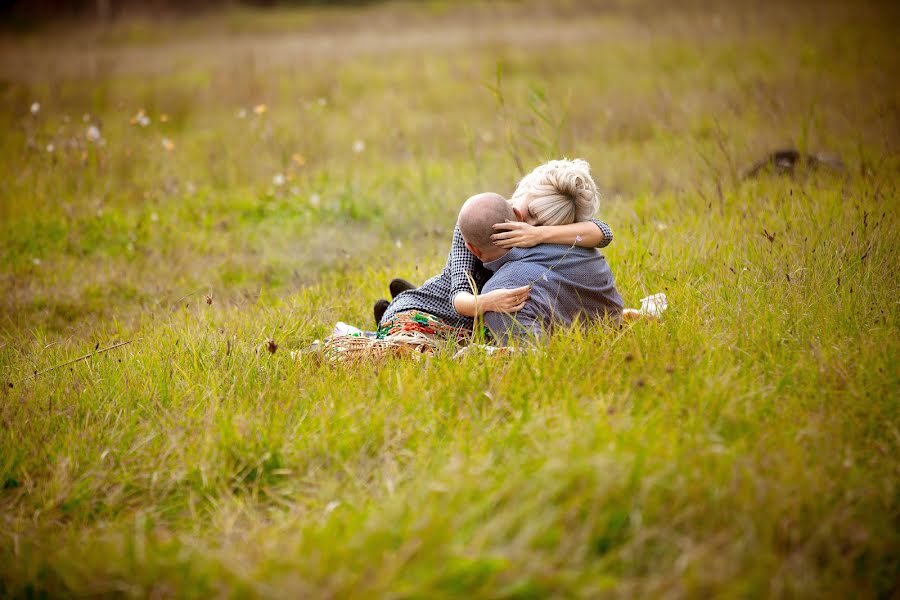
<point x="435" y="296"/>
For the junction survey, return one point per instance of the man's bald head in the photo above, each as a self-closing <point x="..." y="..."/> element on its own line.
<point x="476" y="220"/>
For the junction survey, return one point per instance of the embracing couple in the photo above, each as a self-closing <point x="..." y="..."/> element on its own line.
<point x="526" y="265"/>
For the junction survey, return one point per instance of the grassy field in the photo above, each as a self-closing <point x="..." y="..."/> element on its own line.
<point x="199" y="187"/>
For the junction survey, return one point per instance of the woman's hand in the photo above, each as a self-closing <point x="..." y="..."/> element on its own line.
<point x="504" y="300"/>
<point x="516" y="234"/>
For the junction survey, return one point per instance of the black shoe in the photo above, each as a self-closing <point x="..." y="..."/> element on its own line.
<point x="398" y="286"/>
<point x="380" y="306"/>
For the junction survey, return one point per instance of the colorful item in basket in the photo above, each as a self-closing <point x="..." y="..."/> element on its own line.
<point x="341" y="328"/>
<point x="415" y="321"/>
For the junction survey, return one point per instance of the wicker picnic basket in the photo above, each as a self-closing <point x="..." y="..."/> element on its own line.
<point x="351" y="348"/>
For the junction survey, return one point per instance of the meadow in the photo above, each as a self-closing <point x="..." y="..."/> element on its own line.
<point x="215" y="192"/>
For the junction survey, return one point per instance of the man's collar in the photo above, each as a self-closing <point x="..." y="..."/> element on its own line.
<point x="513" y="254"/>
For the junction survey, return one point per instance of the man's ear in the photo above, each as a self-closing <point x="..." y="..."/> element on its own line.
<point x="474" y="250"/>
<point x="518" y="214"/>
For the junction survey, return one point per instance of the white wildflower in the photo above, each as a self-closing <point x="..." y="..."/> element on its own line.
<point x="398" y="244"/>
<point x="36" y="262"/>
<point x="93" y="134"/>
<point x="51" y="148"/>
<point x="143" y="120"/>
<point x="359" y="146"/>
<point x="314" y="200"/>
<point x="331" y="506"/>
<point x="35" y="108"/>
<point x="154" y="217"/>
<point x="278" y="180"/>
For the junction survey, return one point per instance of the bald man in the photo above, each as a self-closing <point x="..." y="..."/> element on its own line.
<point x="569" y="284"/>
<point x="429" y="309"/>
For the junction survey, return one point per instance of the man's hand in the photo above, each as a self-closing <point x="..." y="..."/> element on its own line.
<point x="504" y="300"/>
<point x="516" y="234"/>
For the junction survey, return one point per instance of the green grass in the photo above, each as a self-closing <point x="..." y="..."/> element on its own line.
<point x="746" y="446"/>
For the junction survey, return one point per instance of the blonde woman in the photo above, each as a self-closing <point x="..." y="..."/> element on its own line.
<point x="555" y="204"/>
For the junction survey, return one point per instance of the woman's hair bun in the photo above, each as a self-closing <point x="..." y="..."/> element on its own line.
<point x="560" y="192"/>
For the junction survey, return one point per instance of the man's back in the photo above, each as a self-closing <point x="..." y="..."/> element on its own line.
<point x="579" y="285"/>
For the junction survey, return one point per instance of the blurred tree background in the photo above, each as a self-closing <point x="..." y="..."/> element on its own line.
<point x="17" y="14"/>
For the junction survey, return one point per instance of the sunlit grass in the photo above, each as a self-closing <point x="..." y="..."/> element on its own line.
<point x="745" y="446"/>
